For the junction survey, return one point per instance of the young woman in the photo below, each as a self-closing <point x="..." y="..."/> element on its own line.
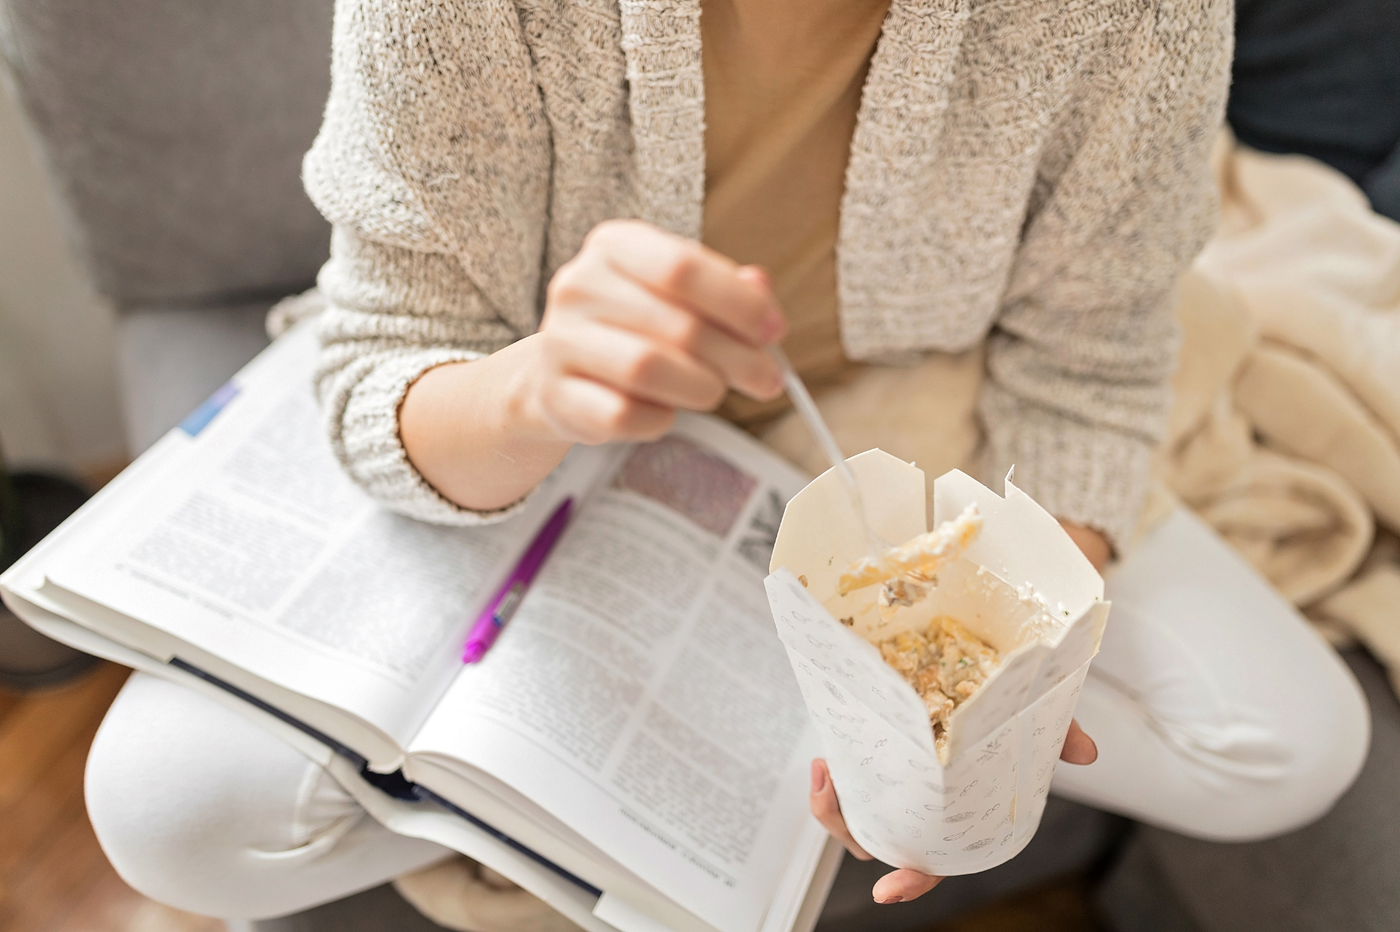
<point x="561" y="222"/>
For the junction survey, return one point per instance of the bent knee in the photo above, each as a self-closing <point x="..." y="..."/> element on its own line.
<point x="179" y="790"/>
<point x="152" y="846"/>
<point x="1288" y="778"/>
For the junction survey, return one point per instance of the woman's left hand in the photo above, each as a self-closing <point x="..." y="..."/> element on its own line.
<point x="904" y="884"/>
<point x="1091" y="543"/>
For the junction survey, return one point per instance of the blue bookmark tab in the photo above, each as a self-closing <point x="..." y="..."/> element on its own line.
<point x="199" y="418"/>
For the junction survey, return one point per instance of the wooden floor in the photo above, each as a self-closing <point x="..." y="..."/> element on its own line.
<point x="1062" y="906"/>
<point x="53" y="876"/>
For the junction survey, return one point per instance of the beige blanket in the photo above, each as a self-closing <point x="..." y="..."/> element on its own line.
<point x="1285" y="433"/>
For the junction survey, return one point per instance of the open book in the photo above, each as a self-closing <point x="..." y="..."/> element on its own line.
<point x="633" y="750"/>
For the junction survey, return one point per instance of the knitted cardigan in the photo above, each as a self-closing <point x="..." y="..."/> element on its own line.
<point x="1032" y="174"/>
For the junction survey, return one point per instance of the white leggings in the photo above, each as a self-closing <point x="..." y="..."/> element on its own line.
<point x="1218" y="713"/>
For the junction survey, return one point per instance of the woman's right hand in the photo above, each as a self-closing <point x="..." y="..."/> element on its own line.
<point x="639" y="324"/>
<point x="642" y="323"/>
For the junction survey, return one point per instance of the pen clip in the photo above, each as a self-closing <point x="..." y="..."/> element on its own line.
<point x="509" y="603"/>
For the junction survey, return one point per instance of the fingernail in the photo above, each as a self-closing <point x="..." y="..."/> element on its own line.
<point x="892" y="899"/>
<point x="756" y="274"/>
<point x="773" y="327"/>
<point x="818" y="779"/>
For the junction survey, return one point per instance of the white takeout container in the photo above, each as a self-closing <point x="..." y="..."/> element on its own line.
<point x="1022" y="586"/>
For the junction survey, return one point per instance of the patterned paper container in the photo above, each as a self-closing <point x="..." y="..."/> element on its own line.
<point x="1022" y="586"/>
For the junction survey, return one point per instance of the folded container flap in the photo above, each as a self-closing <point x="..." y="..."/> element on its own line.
<point x="841" y="716"/>
<point x="1042" y="728"/>
<point x="1019" y="542"/>
<point x="821" y="533"/>
<point x="1080" y="644"/>
<point x="998" y="701"/>
<point x="1024" y="677"/>
<point x="852" y="667"/>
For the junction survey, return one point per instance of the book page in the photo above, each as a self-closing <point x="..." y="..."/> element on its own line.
<point x="260" y="551"/>
<point x="641" y="695"/>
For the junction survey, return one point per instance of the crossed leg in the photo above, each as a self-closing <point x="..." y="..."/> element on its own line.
<point x="1217" y="712"/>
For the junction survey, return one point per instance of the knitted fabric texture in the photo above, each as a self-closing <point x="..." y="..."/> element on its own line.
<point x="1030" y="175"/>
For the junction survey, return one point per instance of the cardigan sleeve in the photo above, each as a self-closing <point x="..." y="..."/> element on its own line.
<point x="391" y="315"/>
<point x="1080" y="358"/>
<point x="432" y="166"/>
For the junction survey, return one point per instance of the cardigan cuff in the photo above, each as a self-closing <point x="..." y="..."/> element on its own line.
<point x="1078" y="472"/>
<point x="364" y="431"/>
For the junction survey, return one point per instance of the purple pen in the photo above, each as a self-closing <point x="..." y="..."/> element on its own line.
<point x="489" y="624"/>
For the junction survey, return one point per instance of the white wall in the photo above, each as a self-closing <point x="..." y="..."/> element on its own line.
<point x="58" y="384"/>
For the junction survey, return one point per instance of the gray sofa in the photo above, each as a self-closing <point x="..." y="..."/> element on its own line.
<point x="173" y="133"/>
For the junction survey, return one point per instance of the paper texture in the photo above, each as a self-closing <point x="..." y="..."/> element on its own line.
<point x="259" y="550"/>
<point x="636" y="721"/>
<point x="1022" y="587"/>
<point x="656" y="720"/>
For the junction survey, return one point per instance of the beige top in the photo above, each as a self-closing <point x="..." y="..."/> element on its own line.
<point x="782" y="87"/>
<point x="1027" y="176"/>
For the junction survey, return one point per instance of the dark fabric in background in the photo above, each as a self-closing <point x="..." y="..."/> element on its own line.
<point x="1322" y="78"/>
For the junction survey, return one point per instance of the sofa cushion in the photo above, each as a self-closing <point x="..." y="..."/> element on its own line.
<point x="170" y="360"/>
<point x="173" y="133"/>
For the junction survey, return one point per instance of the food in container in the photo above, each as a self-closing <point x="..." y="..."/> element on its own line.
<point x="953" y="785"/>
